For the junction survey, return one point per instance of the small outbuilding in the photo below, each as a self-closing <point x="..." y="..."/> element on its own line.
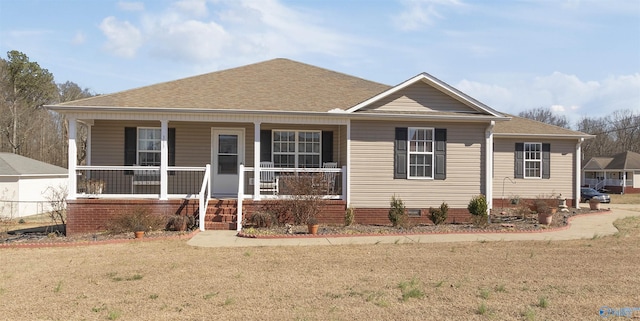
<point x="25" y="184"/>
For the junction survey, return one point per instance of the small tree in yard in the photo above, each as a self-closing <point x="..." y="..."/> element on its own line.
<point x="439" y="215"/>
<point x="397" y="213"/>
<point x="306" y="197"/>
<point x="57" y="198"/>
<point x="478" y="208"/>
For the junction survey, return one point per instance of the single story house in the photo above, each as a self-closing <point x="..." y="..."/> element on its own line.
<point x="26" y="183"/>
<point x="617" y="174"/>
<point x="221" y="144"/>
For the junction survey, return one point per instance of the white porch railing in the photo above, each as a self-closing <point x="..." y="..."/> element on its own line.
<point x="204" y="196"/>
<point x="601" y="183"/>
<point x="136" y="181"/>
<point x="331" y="182"/>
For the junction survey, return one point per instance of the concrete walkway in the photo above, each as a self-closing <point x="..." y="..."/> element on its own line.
<point x="580" y="227"/>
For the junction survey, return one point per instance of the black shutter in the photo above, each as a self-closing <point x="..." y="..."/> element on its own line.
<point x="546" y="161"/>
<point x="400" y="151"/>
<point x="130" y="147"/>
<point x="265" y="145"/>
<point x="440" y="153"/>
<point x="172" y="149"/>
<point x="327" y="146"/>
<point x="519" y="161"/>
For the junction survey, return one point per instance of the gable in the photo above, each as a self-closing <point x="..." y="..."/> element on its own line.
<point x="418" y="97"/>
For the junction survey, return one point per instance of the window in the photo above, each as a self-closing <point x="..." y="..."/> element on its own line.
<point x="533" y="160"/>
<point x="148" y="152"/>
<point x="420" y="152"/>
<point x="293" y="148"/>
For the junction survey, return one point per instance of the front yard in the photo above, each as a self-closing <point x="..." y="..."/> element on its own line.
<point x="170" y="280"/>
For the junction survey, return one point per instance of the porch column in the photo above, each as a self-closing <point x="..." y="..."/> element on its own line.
<point x="489" y="165"/>
<point x="256" y="160"/>
<point x="347" y="185"/>
<point x="577" y="172"/>
<point x="164" y="158"/>
<point x="72" y="158"/>
<point x="87" y="158"/>
<point x="624" y="180"/>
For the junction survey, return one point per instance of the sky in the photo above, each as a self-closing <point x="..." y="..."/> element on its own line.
<point x="577" y="57"/>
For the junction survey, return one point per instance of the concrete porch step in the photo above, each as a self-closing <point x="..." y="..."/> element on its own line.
<point x="218" y="226"/>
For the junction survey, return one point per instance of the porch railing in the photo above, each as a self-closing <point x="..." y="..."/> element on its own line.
<point x="276" y="182"/>
<point x="601" y="183"/>
<point x="204" y="196"/>
<point x="137" y="181"/>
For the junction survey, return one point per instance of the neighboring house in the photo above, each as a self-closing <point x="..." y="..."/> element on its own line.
<point x="258" y="125"/>
<point x="25" y="184"/>
<point x="617" y="174"/>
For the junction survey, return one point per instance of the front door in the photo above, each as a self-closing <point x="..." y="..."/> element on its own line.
<point x="228" y="154"/>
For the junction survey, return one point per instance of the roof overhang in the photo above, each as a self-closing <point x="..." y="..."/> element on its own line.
<point x="538" y="136"/>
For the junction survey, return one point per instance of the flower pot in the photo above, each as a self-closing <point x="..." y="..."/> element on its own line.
<point x="139" y="234"/>
<point x="313" y="228"/>
<point x="594" y="205"/>
<point x="545" y="219"/>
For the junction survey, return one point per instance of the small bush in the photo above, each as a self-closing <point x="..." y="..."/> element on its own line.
<point x="139" y="219"/>
<point x="478" y="208"/>
<point x="397" y="213"/>
<point x="349" y="216"/>
<point x="261" y="219"/>
<point x="439" y="215"/>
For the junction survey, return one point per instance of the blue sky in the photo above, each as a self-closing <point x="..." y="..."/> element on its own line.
<point x="577" y="57"/>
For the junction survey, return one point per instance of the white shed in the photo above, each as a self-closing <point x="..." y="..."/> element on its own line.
<point x="24" y="184"/>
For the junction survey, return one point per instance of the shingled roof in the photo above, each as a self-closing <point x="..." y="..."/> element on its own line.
<point x="16" y="165"/>
<point x="524" y="126"/>
<point x="274" y="85"/>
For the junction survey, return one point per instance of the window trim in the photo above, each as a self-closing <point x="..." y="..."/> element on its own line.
<point x="431" y="153"/>
<point x="138" y="150"/>
<point x="296" y="153"/>
<point x="525" y="160"/>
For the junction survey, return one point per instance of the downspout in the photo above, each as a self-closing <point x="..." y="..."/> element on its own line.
<point x="489" y="167"/>
<point x="578" y="170"/>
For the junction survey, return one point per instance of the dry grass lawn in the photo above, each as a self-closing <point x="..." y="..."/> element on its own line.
<point x="169" y="280"/>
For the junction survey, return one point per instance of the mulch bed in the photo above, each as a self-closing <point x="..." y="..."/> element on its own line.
<point x="506" y="221"/>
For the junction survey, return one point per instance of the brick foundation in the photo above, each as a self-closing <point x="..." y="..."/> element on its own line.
<point x="91" y="215"/>
<point x="506" y="203"/>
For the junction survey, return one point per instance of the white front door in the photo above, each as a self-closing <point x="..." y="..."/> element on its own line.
<point x="228" y="154"/>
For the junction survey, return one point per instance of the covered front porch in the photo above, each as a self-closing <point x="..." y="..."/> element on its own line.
<point x="613" y="181"/>
<point x="221" y="159"/>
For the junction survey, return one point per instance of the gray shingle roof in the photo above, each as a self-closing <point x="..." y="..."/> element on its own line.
<point x="12" y="164"/>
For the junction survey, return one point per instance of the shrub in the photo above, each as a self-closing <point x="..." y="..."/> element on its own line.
<point x="349" y="216"/>
<point x="306" y="196"/>
<point x="139" y="219"/>
<point x="439" y="215"/>
<point x="397" y="213"/>
<point x="478" y="208"/>
<point x="180" y="222"/>
<point x="261" y="219"/>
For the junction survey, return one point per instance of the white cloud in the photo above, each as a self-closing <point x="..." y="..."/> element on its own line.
<point x="130" y="6"/>
<point x="79" y="38"/>
<point x="421" y="13"/>
<point x="196" y="8"/>
<point x="565" y="94"/>
<point x="123" y="39"/>
<point x="199" y="32"/>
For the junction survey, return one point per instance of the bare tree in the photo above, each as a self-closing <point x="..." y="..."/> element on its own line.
<point x="616" y="133"/>
<point x="24" y="88"/>
<point x="545" y="115"/>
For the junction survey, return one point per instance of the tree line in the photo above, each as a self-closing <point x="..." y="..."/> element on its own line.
<point x="26" y="128"/>
<point x="615" y="133"/>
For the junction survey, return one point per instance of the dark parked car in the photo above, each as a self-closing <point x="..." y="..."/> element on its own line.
<point x="588" y="193"/>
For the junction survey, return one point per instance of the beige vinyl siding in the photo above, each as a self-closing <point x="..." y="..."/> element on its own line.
<point x="419" y="97"/>
<point x="193" y="141"/>
<point x="372" y="166"/>
<point x="561" y="176"/>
